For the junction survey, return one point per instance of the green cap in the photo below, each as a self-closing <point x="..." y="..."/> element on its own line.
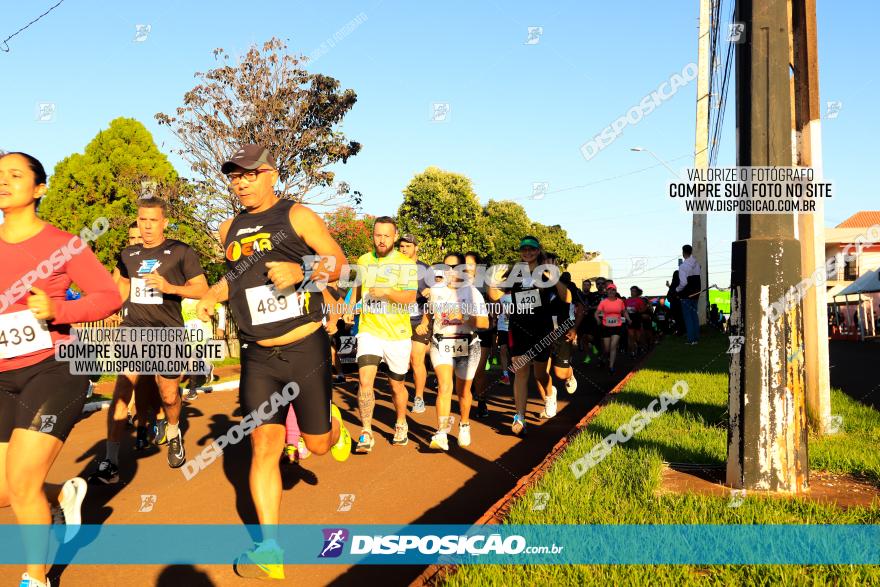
<point x="529" y="242"/>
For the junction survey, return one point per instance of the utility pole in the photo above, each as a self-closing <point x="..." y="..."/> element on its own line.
<point x="811" y="229"/>
<point x="701" y="151"/>
<point x="767" y="436"/>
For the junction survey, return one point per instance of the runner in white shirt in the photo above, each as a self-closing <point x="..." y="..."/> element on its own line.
<point x="458" y="311"/>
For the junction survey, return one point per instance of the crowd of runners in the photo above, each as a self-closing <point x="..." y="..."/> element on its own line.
<point x="295" y="324"/>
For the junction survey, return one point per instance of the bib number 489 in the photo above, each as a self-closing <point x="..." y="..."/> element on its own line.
<point x="268" y="304"/>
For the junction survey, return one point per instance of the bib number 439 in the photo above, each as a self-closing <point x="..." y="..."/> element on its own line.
<point x="21" y="333"/>
<point x="269" y="304"/>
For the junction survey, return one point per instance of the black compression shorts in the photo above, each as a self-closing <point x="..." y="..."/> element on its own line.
<point x="43" y="397"/>
<point x="267" y="370"/>
<point x="562" y="351"/>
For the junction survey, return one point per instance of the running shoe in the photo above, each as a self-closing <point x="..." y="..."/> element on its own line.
<point x="106" y="473"/>
<point x="129" y="423"/>
<point x="505" y="379"/>
<point x="26" y="581"/>
<point x="518" y="426"/>
<point x="74" y="491"/>
<point x="290" y="452"/>
<point x="176" y="452"/>
<point x="365" y="442"/>
<point x="190" y="394"/>
<point x="495" y="361"/>
<point x="303" y="451"/>
<point x="339" y="379"/>
<point x="488" y="365"/>
<point x="464" y="435"/>
<point x="418" y="405"/>
<point x="141" y="441"/>
<point x="588" y="359"/>
<point x="91" y="390"/>
<point x="265" y="561"/>
<point x="401" y="434"/>
<point x="571" y="384"/>
<point x="342" y="449"/>
<point x="550" y="405"/>
<point x="440" y="441"/>
<point x="482" y="409"/>
<point x="159" y="436"/>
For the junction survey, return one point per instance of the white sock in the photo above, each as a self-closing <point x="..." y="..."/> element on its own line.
<point x="113" y="452"/>
<point x="171" y="431"/>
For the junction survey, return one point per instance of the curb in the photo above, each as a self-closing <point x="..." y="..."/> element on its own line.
<point x="496" y="513"/>
<point x="103" y="405"/>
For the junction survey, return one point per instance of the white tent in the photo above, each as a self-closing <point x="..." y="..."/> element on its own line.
<point x="867" y="283"/>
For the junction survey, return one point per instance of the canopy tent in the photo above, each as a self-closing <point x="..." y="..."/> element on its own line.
<point x="867" y="283"/>
<point x="862" y="322"/>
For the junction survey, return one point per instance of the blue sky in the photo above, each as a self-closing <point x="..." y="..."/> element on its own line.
<point x="519" y="112"/>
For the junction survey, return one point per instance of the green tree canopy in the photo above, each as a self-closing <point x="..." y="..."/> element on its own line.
<point x="120" y="165"/>
<point x="555" y="239"/>
<point x="442" y="210"/>
<point x="267" y="97"/>
<point x="507" y="222"/>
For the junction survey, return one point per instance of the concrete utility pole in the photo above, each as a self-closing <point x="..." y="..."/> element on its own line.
<point x="767" y="437"/>
<point x="811" y="227"/>
<point x="701" y="151"/>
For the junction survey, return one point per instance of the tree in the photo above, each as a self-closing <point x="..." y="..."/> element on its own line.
<point x="268" y="99"/>
<point x="555" y="239"/>
<point x="353" y="235"/>
<point x="442" y="210"/>
<point x="120" y="165"/>
<point x="507" y="222"/>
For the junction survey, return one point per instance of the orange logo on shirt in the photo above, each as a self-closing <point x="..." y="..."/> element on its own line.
<point x="248" y="246"/>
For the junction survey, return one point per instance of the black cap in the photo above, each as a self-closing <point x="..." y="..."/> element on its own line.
<point x="249" y="157"/>
<point x="409" y="238"/>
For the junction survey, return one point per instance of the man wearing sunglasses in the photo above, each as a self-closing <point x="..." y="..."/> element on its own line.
<point x="284" y="345"/>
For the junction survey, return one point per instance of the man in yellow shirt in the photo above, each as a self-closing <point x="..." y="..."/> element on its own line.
<point x="388" y="285"/>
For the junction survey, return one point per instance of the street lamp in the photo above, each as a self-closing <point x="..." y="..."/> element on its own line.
<point x="652" y="154"/>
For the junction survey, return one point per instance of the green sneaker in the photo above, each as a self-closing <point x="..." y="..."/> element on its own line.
<point x="266" y="561"/>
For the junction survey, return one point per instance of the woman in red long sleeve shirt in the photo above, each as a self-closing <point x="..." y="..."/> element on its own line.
<point x="40" y="400"/>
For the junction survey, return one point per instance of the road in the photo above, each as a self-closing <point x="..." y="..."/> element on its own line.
<point x="410" y="484"/>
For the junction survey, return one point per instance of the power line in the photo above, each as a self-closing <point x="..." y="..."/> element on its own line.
<point x="5" y="46"/>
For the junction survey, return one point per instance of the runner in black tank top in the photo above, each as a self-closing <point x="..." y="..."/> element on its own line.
<point x="527" y="330"/>
<point x="283" y="341"/>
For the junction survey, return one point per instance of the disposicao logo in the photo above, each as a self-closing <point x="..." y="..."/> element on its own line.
<point x="334" y="542"/>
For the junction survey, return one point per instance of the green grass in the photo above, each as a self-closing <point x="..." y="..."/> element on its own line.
<point x="622" y="488"/>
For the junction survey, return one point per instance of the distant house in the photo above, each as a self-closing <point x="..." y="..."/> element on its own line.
<point x="589" y="270"/>
<point x="854" y="315"/>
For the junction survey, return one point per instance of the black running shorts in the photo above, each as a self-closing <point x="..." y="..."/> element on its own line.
<point x="43" y="397"/>
<point x="562" y="351"/>
<point x="267" y="370"/>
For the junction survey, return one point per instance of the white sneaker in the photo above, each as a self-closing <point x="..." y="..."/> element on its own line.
<point x="74" y="493"/>
<point x="550" y="404"/>
<point x="440" y="440"/>
<point x="571" y="384"/>
<point x="464" y="435"/>
<point x="26" y="581"/>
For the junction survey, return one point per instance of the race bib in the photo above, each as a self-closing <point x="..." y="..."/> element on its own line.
<point x="612" y="321"/>
<point x="21" y="333"/>
<point x="267" y="304"/>
<point x="457" y="347"/>
<point x="528" y="299"/>
<point x="141" y="293"/>
<point x="661" y="317"/>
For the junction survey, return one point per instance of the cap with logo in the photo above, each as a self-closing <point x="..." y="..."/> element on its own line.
<point x="530" y="242"/>
<point x="249" y="157"/>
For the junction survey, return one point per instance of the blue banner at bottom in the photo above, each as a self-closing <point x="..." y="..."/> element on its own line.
<point x="449" y="544"/>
